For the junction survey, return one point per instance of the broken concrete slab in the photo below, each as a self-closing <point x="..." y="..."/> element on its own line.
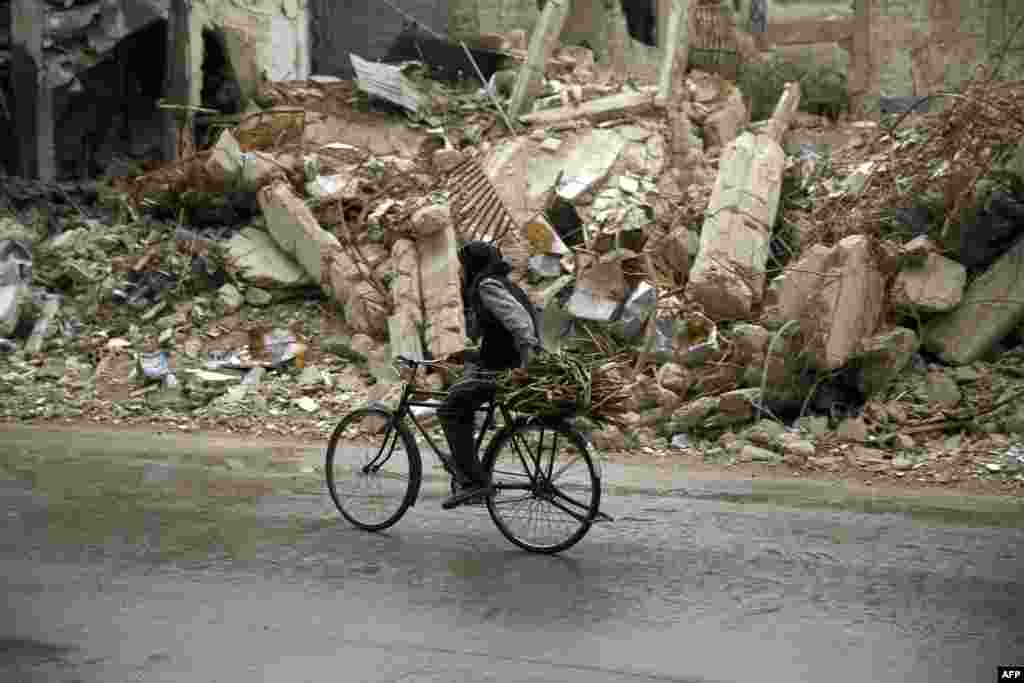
<point x="992" y="307"/>
<point x="602" y="108"/>
<point x="836" y="293"/>
<point x="298" y="233"/>
<point x="726" y="120"/>
<point x="365" y="310"/>
<point x="523" y="177"/>
<point x="257" y="259"/>
<point x="600" y="290"/>
<point x="407" y="301"/>
<point x="934" y="286"/>
<point x="646" y="158"/>
<point x="431" y="219"/>
<point x="788" y="294"/>
<point x="15" y="275"/>
<point x="673" y="251"/>
<point x="440" y="279"/>
<point x="728" y="275"/>
<point x="229" y="165"/>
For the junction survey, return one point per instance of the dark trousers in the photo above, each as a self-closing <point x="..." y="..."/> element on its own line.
<point x="457" y="415"/>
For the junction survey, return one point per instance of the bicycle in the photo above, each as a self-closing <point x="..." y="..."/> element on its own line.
<point x="373" y="452"/>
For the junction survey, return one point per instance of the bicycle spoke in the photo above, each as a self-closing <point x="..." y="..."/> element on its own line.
<point x="563" y="468"/>
<point x="535" y="513"/>
<point x="566" y="510"/>
<point x="372" y="469"/>
<point x="559" y="493"/>
<point x="513" y="501"/>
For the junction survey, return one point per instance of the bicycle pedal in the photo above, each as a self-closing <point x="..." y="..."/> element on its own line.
<point x="602" y="518"/>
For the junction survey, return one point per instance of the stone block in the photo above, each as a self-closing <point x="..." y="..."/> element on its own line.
<point x="675" y="378"/>
<point x="407" y="302"/>
<point x="296" y="230"/>
<point x="724" y="123"/>
<point x="992" y="306"/>
<point x="229" y="165"/>
<point x="441" y="283"/>
<point x="257" y="259"/>
<point x="837" y="294"/>
<point x="728" y="275"/>
<point x="936" y="286"/>
<point x="523" y="176"/>
<point x="431" y="219"/>
<point x="673" y="251"/>
<point x="737" y="406"/>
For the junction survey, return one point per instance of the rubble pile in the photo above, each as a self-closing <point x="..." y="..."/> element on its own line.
<point x="757" y="301"/>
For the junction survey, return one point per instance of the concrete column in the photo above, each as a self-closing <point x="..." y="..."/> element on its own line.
<point x="32" y="107"/>
<point x="542" y="44"/>
<point x="863" y="83"/>
<point x="178" y="129"/>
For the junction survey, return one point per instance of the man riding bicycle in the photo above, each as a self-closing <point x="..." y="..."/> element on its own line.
<point x="499" y="312"/>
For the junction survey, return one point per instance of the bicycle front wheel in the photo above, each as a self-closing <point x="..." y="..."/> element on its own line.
<point x="373" y="468"/>
<point x="546" y="488"/>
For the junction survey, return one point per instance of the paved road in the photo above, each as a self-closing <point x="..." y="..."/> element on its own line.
<point x="120" y="572"/>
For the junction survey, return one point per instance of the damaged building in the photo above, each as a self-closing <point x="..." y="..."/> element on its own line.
<point x="94" y="88"/>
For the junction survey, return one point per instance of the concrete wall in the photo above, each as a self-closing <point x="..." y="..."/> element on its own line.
<point x="263" y="38"/>
<point x="590" y="21"/>
<point x="366" y="27"/>
<point x="919" y="46"/>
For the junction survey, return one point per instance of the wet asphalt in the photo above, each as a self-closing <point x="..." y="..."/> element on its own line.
<point x="116" y="570"/>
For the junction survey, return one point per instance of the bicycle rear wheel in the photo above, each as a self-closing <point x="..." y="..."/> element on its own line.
<point x="373" y="468"/>
<point x="546" y="487"/>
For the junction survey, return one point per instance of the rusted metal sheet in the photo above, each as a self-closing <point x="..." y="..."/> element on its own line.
<point x="476" y="207"/>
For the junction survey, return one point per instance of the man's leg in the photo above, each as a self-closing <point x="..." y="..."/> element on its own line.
<point x="456" y="414"/>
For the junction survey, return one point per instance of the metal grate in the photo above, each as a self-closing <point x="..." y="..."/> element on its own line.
<point x="477" y="209"/>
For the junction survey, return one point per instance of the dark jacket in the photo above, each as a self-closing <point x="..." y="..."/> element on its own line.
<point x="498" y="310"/>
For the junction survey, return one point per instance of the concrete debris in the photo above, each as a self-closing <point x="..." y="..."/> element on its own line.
<point x="445" y="324"/>
<point x="600" y="291"/>
<point x="837" y="294"/>
<point x="934" y="286"/>
<point x="15" y="276"/>
<point x="431" y="219"/>
<point x="727" y="278"/>
<point x="256" y="258"/>
<point x="233" y="168"/>
<point x="992" y="306"/>
<point x="405" y="325"/>
<point x="613" y="106"/>
<point x="724" y="123"/>
<point x="254" y="296"/>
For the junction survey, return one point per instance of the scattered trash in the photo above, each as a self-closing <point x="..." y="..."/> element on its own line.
<point x="307" y="404"/>
<point x="154" y="366"/>
<point x="681" y="440"/>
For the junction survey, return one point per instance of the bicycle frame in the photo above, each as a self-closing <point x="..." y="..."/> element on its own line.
<point x="413" y="397"/>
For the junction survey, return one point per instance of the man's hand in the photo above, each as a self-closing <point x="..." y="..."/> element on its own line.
<point x="456" y="358"/>
<point x="529" y="353"/>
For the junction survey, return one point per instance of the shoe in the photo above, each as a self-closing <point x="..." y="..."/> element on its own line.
<point x="471" y="494"/>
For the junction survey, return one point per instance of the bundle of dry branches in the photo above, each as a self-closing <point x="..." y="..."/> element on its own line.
<point x="942" y="158"/>
<point x="562" y="384"/>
